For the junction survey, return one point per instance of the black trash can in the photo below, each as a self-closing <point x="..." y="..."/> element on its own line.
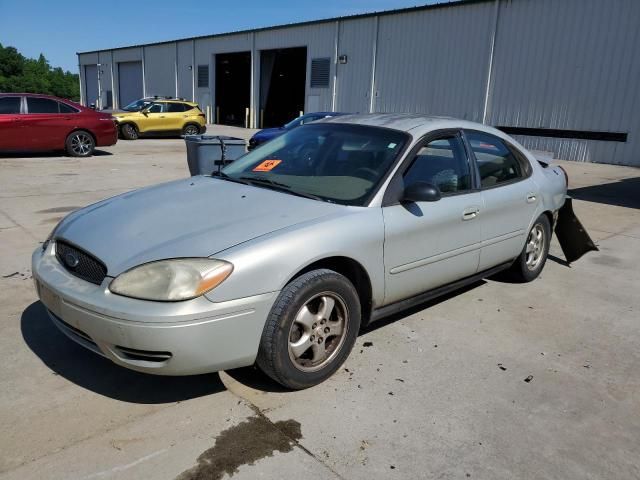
<point x="205" y="152"/>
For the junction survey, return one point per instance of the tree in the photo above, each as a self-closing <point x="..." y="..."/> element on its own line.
<point x="20" y="74"/>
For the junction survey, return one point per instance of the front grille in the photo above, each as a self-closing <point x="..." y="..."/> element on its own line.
<point x="80" y="263"/>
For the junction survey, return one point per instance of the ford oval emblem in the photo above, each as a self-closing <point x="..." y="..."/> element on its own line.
<point x="71" y="260"/>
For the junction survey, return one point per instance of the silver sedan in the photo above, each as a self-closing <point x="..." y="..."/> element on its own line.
<point x="284" y="255"/>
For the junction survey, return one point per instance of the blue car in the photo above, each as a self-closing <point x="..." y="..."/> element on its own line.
<point x="269" y="133"/>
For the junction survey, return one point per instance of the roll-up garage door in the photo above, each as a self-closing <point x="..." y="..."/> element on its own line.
<point x="129" y="82"/>
<point x="91" y="84"/>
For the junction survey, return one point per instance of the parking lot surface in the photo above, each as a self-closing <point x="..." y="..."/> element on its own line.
<point x="498" y="381"/>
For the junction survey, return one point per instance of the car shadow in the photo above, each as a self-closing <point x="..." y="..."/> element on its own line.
<point x="623" y="193"/>
<point x="93" y="372"/>
<point x="54" y="154"/>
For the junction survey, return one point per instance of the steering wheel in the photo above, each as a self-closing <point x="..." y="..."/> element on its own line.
<point x="366" y="173"/>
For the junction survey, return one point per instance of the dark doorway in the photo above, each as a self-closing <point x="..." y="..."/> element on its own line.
<point x="233" y="88"/>
<point x="283" y="74"/>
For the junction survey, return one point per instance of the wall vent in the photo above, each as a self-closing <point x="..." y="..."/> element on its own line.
<point x="203" y="76"/>
<point x="320" y="69"/>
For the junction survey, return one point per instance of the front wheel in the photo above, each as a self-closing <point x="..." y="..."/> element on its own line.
<point x="310" y="330"/>
<point x="80" y="144"/>
<point x="129" y="131"/>
<point x="531" y="261"/>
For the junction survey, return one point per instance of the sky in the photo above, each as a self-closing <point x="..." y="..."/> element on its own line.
<point x="60" y="28"/>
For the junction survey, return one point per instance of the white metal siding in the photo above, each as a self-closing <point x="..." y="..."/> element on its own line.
<point x="434" y="61"/>
<point x="570" y="64"/>
<point x="354" y="78"/>
<point x="185" y="74"/>
<point x="159" y="70"/>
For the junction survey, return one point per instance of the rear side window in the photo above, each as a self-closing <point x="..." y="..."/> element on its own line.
<point x="9" y="105"/>
<point x="41" y="105"/>
<point x="175" y="107"/>
<point x="64" y="108"/>
<point x="442" y="163"/>
<point x="496" y="162"/>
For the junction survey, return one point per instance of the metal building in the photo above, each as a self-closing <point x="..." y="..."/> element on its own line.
<point x="560" y="75"/>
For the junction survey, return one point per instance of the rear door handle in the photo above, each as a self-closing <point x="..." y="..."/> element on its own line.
<point x="531" y="197"/>
<point x="470" y="213"/>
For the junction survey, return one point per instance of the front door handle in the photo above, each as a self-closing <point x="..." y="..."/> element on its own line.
<point x="531" y="197"/>
<point x="470" y="213"/>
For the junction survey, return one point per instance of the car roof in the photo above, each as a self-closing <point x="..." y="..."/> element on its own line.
<point x="414" y="123"/>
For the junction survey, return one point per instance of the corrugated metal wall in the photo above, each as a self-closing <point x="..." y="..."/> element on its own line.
<point x="570" y="64"/>
<point x="434" y="61"/>
<point x="557" y="64"/>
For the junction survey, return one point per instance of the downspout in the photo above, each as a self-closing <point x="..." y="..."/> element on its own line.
<point x="489" y="86"/>
<point x="175" y="66"/>
<point x="114" y="101"/>
<point x="373" y="68"/>
<point x="83" y="100"/>
<point x="193" y="70"/>
<point x="335" y="67"/>
<point x="144" y="80"/>
<point x="252" y="96"/>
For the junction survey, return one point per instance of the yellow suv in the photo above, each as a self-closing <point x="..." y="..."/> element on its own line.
<point x="158" y="116"/>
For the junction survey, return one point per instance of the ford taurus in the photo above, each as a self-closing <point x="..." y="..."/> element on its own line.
<point x="282" y="256"/>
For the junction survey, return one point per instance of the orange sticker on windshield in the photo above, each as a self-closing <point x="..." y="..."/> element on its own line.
<point x="267" y="166"/>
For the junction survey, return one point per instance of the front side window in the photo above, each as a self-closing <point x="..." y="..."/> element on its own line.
<point x="157" y="108"/>
<point x="9" y="105"/>
<point x="442" y="163"/>
<point x="331" y="162"/>
<point x="41" y="105"/>
<point x="496" y="162"/>
<point x="137" y="106"/>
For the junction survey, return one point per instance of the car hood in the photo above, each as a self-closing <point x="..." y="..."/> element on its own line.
<point x="195" y="217"/>
<point x="268" y="133"/>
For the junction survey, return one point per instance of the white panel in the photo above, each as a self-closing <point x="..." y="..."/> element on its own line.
<point x="159" y="70"/>
<point x="185" y="69"/>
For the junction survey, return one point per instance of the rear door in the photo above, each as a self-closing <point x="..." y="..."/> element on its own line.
<point x="429" y="244"/>
<point x="509" y="195"/>
<point x="46" y="127"/>
<point x="175" y="115"/>
<point x="12" y="124"/>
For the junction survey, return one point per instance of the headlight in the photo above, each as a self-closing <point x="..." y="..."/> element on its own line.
<point x="172" y="280"/>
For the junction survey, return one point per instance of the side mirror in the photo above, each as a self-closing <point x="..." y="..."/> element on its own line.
<point x="421" y="192"/>
<point x="92" y="106"/>
<point x="144" y="111"/>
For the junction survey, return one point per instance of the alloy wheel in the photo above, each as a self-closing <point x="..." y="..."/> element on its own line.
<point x="81" y="144"/>
<point x="535" y="247"/>
<point x="318" y="332"/>
<point x="190" y="130"/>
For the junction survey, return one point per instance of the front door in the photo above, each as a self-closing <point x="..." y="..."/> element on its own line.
<point x="155" y="118"/>
<point x="12" y="135"/>
<point x="429" y="244"/>
<point x="511" y="198"/>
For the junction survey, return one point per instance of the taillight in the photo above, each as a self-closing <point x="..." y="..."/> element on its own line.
<point x="566" y="175"/>
<point x="201" y="115"/>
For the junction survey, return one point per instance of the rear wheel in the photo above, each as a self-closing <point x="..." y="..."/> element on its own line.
<point x="191" y="129"/>
<point x="310" y="330"/>
<point x="531" y="261"/>
<point x="129" y="131"/>
<point x="80" y="144"/>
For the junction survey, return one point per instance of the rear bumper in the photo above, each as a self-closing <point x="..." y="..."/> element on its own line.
<point x="172" y="338"/>
<point x="106" y="135"/>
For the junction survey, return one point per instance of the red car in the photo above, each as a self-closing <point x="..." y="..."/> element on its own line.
<point x="30" y="122"/>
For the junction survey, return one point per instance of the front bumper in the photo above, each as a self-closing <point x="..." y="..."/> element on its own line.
<point x="165" y="338"/>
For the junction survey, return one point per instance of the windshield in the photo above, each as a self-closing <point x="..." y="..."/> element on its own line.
<point x="137" y="105"/>
<point x="333" y="162"/>
<point x="296" y="122"/>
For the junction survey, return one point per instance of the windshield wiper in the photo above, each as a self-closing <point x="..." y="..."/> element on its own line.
<point x="280" y="187"/>
<point x="229" y="178"/>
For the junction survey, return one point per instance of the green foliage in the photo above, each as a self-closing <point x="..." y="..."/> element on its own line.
<point x="21" y="74"/>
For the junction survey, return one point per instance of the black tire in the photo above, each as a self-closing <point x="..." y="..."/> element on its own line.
<point x="191" y="129"/>
<point x="129" y="131"/>
<point x="80" y="144"/>
<point x="531" y="261"/>
<point x="275" y="357"/>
